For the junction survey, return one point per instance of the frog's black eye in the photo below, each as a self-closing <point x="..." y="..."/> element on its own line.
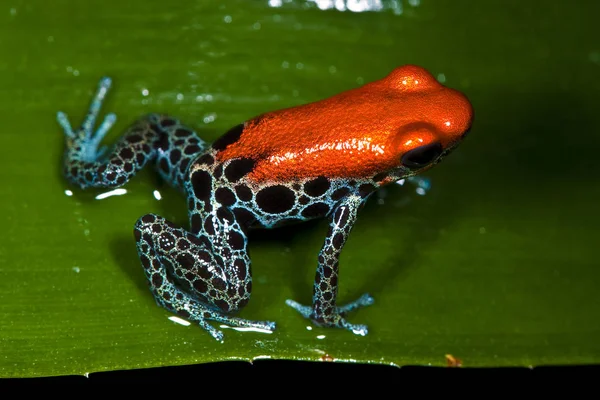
<point x="422" y="156"/>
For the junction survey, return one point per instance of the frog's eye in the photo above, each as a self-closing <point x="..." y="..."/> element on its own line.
<point x="422" y="156"/>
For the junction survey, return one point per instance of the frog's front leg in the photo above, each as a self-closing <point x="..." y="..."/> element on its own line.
<point x="324" y="311"/>
<point x="191" y="276"/>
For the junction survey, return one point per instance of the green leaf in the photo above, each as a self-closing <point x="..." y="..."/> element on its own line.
<point x="497" y="265"/>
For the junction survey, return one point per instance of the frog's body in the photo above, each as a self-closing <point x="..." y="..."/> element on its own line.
<point x="318" y="160"/>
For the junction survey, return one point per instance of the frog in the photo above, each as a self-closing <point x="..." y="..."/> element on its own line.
<point x="319" y="160"/>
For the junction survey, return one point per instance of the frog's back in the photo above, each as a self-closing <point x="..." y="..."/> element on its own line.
<point x="354" y="134"/>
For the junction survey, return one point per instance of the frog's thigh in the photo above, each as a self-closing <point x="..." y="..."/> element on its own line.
<point x="181" y="266"/>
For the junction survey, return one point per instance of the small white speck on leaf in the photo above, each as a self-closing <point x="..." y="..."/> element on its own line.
<point x="179" y="321"/>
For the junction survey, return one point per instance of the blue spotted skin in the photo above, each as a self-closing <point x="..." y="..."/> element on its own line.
<point x="204" y="274"/>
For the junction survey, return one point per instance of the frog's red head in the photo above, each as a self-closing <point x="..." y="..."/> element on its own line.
<point x="430" y="119"/>
<point x="402" y="124"/>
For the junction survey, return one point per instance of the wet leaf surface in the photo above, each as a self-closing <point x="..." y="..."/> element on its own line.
<point x="496" y="265"/>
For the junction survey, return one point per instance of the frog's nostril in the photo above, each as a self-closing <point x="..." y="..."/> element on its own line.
<point x="422" y="156"/>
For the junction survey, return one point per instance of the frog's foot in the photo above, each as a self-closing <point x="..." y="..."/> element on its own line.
<point x="335" y="319"/>
<point x="84" y="141"/>
<point x="244" y="323"/>
<point x="200" y="313"/>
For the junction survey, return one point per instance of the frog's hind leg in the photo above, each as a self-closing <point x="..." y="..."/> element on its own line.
<point x="187" y="279"/>
<point x="156" y="138"/>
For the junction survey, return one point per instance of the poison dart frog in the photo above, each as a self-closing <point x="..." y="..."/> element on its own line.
<point x="319" y="160"/>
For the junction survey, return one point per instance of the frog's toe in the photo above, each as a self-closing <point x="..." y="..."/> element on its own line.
<point x="107" y="123"/>
<point x="63" y="121"/>
<point x="85" y="136"/>
<point x="357" y="329"/>
<point x="267" y="326"/>
<point x="270" y="325"/>
<point x="96" y="104"/>
<point x="305" y="311"/>
<point x="363" y="301"/>
<point x="218" y="335"/>
<point x="215" y="333"/>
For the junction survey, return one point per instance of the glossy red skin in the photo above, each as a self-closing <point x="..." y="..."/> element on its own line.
<point x="357" y="133"/>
